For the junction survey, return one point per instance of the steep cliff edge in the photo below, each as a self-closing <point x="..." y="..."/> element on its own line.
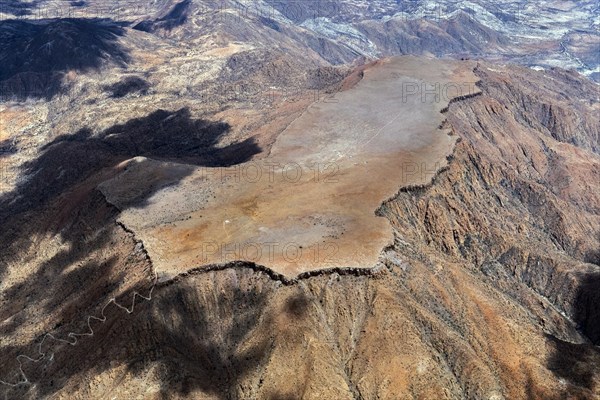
<point x="521" y="196"/>
<point x="413" y="331"/>
<point x="489" y="291"/>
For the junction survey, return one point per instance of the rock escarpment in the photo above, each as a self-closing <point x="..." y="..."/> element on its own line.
<point x="489" y="291"/>
<point x="521" y="195"/>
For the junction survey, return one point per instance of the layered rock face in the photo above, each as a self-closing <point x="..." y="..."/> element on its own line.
<point x="489" y="291"/>
<point x="521" y="196"/>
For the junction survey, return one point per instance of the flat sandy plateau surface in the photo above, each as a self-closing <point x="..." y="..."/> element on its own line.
<point x="310" y="203"/>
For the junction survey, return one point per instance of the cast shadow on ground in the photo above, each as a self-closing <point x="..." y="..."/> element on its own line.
<point x="59" y="197"/>
<point x="193" y="336"/>
<point x="579" y="364"/>
<point x="162" y="135"/>
<point x="37" y="55"/>
<point x="62" y="180"/>
<point x="129" y="85"/>
<point x="177" y="16"/>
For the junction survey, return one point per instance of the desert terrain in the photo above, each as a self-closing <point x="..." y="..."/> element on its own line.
<point x="285" y="211"/>
<point x="359" y="201"/>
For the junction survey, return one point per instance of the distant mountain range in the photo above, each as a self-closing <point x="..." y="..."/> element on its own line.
<point x="540" y="34"/>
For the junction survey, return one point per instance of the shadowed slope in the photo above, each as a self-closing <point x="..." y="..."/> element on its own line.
<point x="36" y="55"/>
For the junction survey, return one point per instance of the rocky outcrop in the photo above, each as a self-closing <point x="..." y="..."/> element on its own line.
<point x="519" y="201"/>
<point x="439" y="332"/>
<point x="513" y="160"/>
<point x="460" y="35"/>
<point x="489" y="291"/>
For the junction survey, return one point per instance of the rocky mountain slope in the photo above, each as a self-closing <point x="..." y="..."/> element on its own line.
<point x="489" y="290"/>
<point x="541" y="34"/>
